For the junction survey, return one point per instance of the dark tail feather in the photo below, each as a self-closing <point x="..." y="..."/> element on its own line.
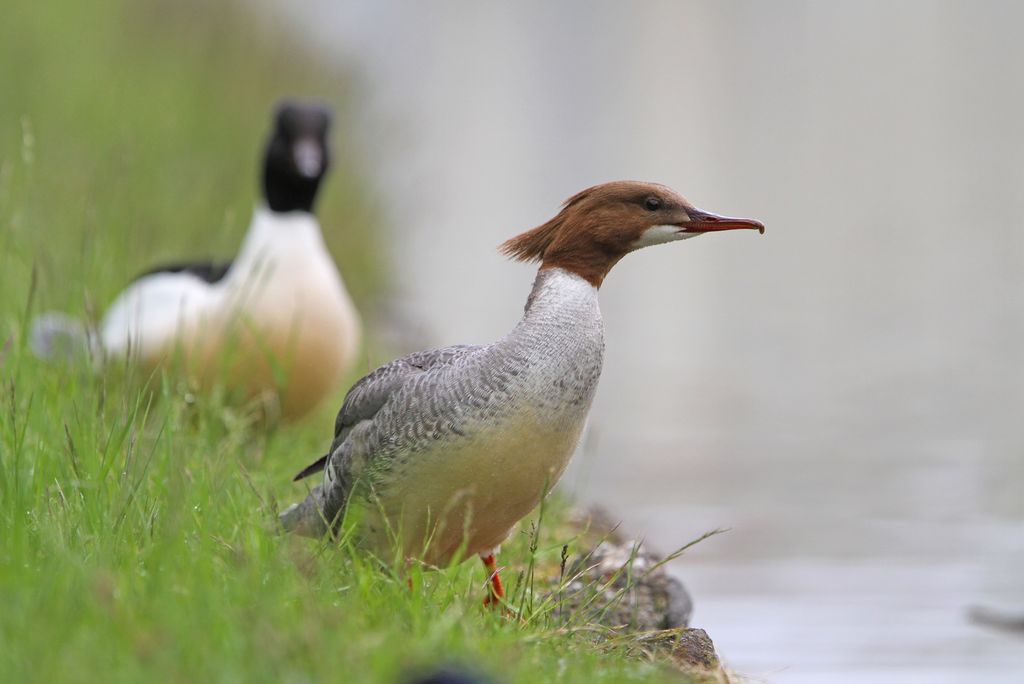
<point x="312" y="468"/>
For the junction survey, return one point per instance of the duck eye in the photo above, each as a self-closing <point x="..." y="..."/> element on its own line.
<point x="652" y="204"/>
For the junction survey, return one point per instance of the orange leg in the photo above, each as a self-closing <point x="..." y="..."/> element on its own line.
<point x="496" y="591"/>
<point x="408" y="577"/>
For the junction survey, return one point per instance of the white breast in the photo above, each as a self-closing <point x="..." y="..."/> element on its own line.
<point x="280" y="323"/>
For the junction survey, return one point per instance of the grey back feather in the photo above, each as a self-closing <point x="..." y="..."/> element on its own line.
<point x="368" y="395"/>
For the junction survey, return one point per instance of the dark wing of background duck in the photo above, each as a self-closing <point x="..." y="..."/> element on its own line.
<point x="208" y="271"/>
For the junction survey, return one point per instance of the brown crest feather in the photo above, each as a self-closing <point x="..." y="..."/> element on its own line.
<point x="531" y="245"/>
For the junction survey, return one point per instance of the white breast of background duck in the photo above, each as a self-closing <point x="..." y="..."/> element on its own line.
<point x="286" y="290"/>
<point x="284" y="276"/>
<point x="505" y="424"/>
<point x="281" y="314"/>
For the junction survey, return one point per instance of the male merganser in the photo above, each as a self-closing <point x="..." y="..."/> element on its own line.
<point x="274" y="323"/>
<point x="446" y="450"/>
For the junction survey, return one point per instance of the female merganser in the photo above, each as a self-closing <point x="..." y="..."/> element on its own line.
<point x="274" y="323"/>
<point x="446" y="450"/>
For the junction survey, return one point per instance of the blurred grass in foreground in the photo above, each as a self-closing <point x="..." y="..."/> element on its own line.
<point x="137" y="538"/>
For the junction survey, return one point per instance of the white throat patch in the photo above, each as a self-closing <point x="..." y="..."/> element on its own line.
<point x="656" y="235"/>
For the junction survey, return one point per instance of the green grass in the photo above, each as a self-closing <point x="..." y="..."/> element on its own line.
<point x="137" y="529"/>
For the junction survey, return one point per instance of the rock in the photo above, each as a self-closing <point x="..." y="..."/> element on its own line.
<point x="694" y="648"/>
<point x="448" y="675"/>
<point x="694" y="653"/>
<point x="680" y="605"/>
<point x="991" y="618"/>
<point x="620" y="584"/>
<point x="615" y="581"/>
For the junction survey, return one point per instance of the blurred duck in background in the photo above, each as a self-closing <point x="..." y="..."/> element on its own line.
<point x="275" y="324"/>
<point x="446" y="450"/>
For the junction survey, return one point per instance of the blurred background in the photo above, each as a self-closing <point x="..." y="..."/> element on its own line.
<point x="844" y="393"/>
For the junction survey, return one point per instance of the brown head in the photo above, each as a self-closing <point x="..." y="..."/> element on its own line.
<point x="602" y="224"/>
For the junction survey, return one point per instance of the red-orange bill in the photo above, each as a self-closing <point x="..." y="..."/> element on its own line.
<point x="705" y="222"/>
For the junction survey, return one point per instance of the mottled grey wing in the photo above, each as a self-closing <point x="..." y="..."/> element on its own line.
<point x="368" y="395"/>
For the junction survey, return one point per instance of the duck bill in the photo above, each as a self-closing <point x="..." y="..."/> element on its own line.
<point x="706" y="222"/>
